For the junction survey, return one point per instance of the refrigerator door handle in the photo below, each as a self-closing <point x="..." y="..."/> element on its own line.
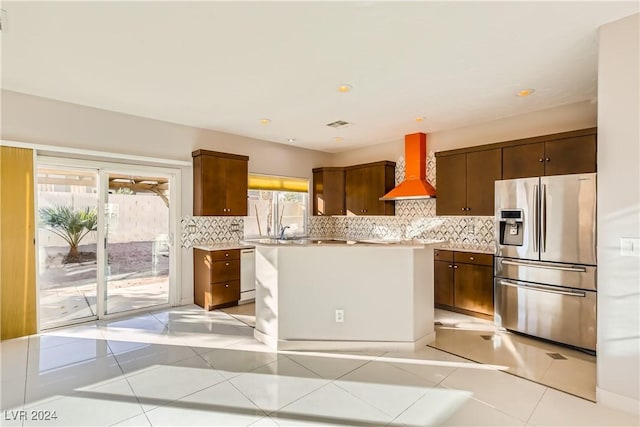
<point x="543" y="289"/>
<point x="543" y="234"/>
<point x="544" y="266"/>
<point x="536" y="220"/>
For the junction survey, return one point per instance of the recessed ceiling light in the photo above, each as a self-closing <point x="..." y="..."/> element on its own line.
<point x="420" y="119"/>
<point x="265" y="121"/>
<point x="338" y="139"/>
<point x="344" y="88"/>
<point x="291" y="139"/>
<point x="526" y="92"/>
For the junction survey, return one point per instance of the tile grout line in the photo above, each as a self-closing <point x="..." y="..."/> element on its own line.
<point x="536" y="407"/>
<point x="129" y="384"/>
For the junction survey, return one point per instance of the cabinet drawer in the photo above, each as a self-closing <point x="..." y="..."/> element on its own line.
<point x="225" y="292"/>
<point x="473" y="258"/>
<point x="225" y="255"/>
<point x="442" y="255"/>
<point x="225" y="270"/>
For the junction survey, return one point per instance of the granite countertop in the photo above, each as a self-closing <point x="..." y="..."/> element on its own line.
<point x="467" y="247"/>
<point x="223" y="246"/>
<point x="335" y="241"/>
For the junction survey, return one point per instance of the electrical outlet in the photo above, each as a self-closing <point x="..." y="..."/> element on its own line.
<point x="339" y="316"/>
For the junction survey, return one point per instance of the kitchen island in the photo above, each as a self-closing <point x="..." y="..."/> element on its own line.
<point x="339" y="295"/>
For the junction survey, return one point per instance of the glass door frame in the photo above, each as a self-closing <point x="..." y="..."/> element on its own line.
<point x="103" y="170"/>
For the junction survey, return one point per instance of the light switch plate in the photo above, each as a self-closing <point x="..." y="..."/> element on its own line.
<point x="630" y="246"/>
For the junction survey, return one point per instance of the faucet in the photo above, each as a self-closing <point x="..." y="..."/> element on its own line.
<point x="282" y="230"/>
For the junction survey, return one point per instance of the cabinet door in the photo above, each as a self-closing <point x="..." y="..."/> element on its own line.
<point x="473" y="288"/>
<point x="376" y="185"/>
<point x="328" y="192"/>
<point x="355" y="191"/>
<point x="443" y="283"/>
<point x="451" y="184"/>
<point x="571" y="155"/>
<point x="334" y="192"/>
<point x="212" y="197"/>
<point x="523" y="161"/>
<point x="235" y="183"/>
<point x="483" y="169"/>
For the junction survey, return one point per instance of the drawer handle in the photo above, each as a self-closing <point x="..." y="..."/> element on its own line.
<point x="455" y="266"/>
<point x="226" y="263"/>
<point x="450" y="266"/>
<point x="226" y="254"/>
<point x="471" y="258"/>
<point x="226" y="285"/>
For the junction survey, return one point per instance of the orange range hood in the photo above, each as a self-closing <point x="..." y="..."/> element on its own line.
<point x="415" y="184"/>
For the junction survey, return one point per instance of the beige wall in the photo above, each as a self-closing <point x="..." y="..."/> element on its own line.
<point x="560" y="119"/>
<point x="618" y="214"/>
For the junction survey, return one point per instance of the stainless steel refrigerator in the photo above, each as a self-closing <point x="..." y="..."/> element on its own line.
<point x="545" y="266"/>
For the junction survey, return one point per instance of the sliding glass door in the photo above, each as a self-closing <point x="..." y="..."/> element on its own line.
<point x="137" y="246"/>
<point x="67" y="221"/>
<point x="105" y="240"/>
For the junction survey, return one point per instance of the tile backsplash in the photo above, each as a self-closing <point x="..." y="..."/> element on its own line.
<point x="414" y="219"/>
<point x="196" y="230"/>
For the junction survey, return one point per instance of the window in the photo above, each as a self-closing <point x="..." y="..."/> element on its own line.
<point x="277" y="203"/>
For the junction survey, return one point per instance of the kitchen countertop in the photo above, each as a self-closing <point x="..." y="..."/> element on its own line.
<point x="224" y="246"/>
<point x="467" y="247"/>
<point x="339" y="242"/>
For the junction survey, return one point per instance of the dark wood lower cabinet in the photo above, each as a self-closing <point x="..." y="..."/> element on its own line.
<point x="473" y="288"/>
<point x="463" y="282"/>
<point x="443" y="283"/>
<point x="216" y="277"/>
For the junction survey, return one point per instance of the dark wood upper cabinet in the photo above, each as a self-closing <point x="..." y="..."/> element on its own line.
<point x="484" y="168"/>
<point x="219" y="183"/>
<point x="523" y="161"/>
<point x="465" y="182"/>
<point x="329" y="191"/>
<point x="451" y="184"/>
<point x="570" y="155"/>
<point x="557" y="156"/>
<point x="365" y="184"/>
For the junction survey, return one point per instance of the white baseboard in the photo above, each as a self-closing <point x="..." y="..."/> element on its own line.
<point x="344" y="345"/>
<point x="186" y="301"/>
<point x="617" y="401"/>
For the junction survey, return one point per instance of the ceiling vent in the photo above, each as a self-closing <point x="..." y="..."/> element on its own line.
<point x="339" y="124"/>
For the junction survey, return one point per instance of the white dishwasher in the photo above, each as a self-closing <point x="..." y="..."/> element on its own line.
<point x="247" y="275"/>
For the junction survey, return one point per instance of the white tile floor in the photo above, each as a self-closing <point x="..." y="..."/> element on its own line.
<point x="185" y="366"/>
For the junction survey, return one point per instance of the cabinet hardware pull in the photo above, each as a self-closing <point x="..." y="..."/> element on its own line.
<point x="471" y="258"/>
<point x="450" y="266"/>
<point x="226" y="285"/>
<point x="226" y="254"/>
<point x="226" y="263"/>
<point x="463" y="209"/>
<point x="455" y="266"/>
<point x="541" y="159"/>
<point x="548" y="159"/>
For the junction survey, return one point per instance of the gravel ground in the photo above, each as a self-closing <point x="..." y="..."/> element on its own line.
<point x="126" y="260"/>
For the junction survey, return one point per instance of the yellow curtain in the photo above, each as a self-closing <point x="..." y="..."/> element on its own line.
<point x="17" y="247"/>
<point x="278" y="183"/>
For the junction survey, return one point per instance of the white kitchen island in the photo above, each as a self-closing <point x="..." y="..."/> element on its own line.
<point x="384" y="290"/>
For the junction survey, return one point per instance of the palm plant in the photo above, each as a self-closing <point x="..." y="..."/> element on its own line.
<point x="70" y="224"/>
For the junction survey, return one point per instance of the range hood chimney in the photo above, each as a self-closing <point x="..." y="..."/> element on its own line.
<point x="415" y="184"/>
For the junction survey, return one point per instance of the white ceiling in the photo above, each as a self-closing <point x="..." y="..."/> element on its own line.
<point x="226" y="65"/>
